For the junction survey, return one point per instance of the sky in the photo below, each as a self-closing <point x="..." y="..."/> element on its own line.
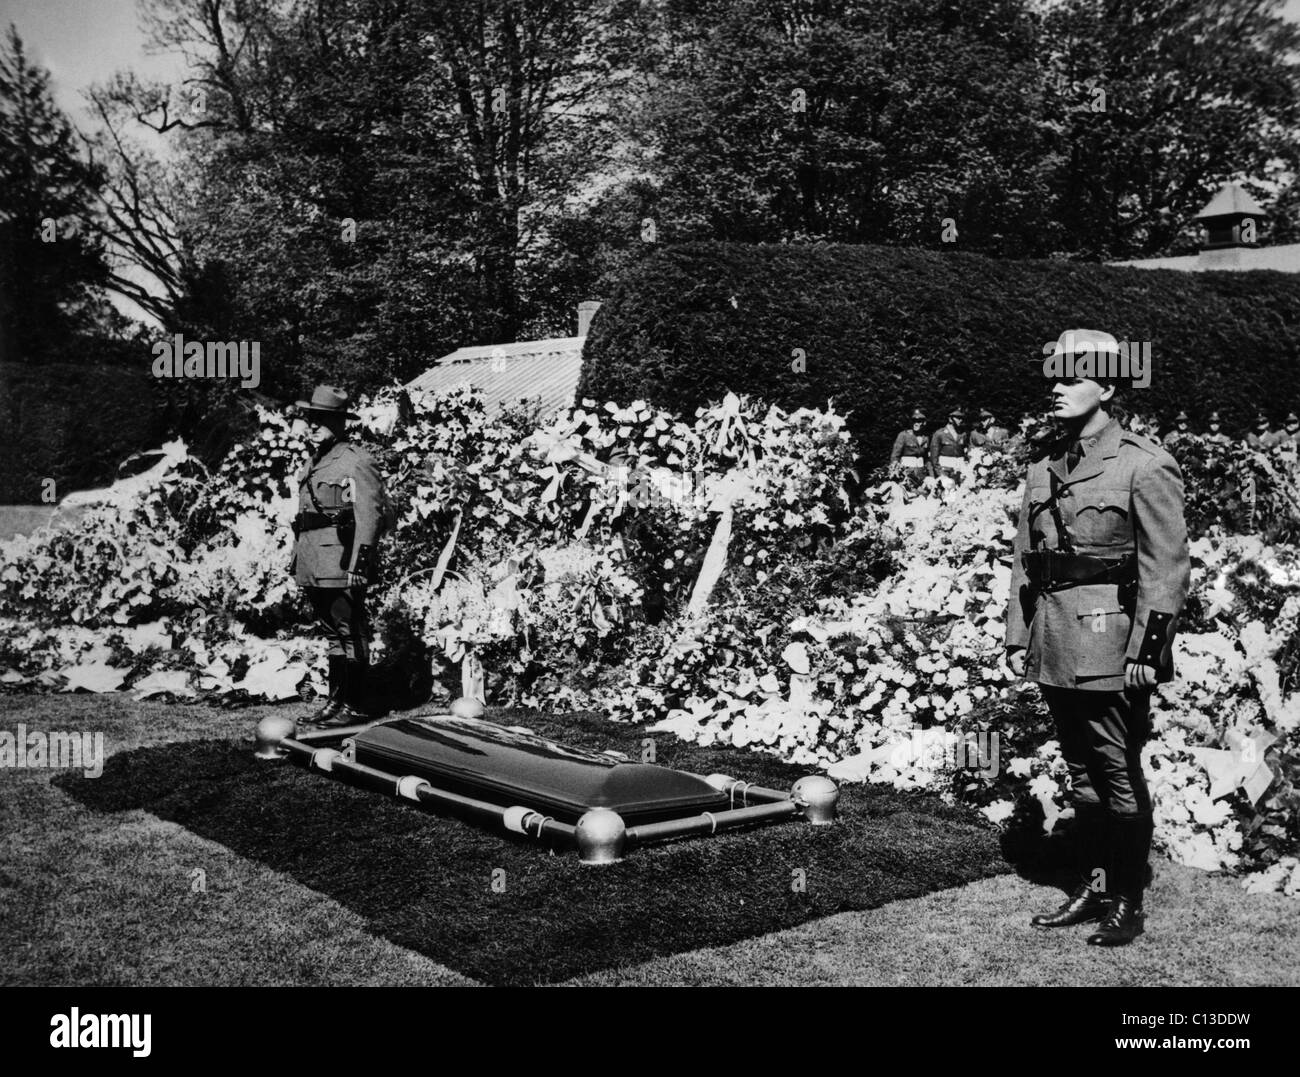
<point x="82" y="42"/>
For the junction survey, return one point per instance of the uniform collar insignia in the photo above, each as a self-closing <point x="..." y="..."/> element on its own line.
<point x="1100" y="447"/>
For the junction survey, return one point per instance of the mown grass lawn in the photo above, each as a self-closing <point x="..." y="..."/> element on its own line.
<point x="89" y="897"/>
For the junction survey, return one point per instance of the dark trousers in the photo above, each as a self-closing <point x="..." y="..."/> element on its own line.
<point x="341" y="612"/>
<point x="1101" y="736"/>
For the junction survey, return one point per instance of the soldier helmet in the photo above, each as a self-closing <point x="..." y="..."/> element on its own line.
<point x="1214" y="417"/>
<point x="1182" y="417"/>
<point x="328" y="400"/>
<point x="918" y="415"/>
<point x="1292" y="417"/>
<point x="1261" y="419"/>
<point x="986" y="414"/>
<point x="956" y="412"/>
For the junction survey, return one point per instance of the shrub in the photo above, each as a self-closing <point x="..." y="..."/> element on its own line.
<point x="882" y="330"/>
<point x="72" y="424"/>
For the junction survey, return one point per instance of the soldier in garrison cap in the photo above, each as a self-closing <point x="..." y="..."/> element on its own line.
<point x="989" y="435"/>
<point x="1287" y="444"/>
<point x="908" y="456"/>
<point x="1099" y="577"/>
<point x="342" y="509"/>
<point x="1262" y="438"/>
<point x="948" y="443"/>
<point x="1216" y="436"/>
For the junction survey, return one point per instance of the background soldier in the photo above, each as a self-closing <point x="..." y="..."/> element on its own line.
<point x="1287" y="443"/>
<point x="1181" y="432"/>
<point x="989" y="434"/>
<point x="1216" y="436"/>
<point x="909" y="452"/>
<point x="948" y="443"/>
<point x="341" y="505"/>
<point x="1099" y="576"/>
<point x="1261" y="438"/>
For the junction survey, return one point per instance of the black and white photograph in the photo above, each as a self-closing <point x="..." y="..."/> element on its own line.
<point x="675" y="494"/>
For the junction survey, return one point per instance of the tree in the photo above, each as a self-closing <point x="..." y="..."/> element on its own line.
<point x="1194" y="92"/>
<point x="52" y="269"/>
<point x="532" y="87"/>
<point x="136" y="215"/>
<point x="847" y="120"/>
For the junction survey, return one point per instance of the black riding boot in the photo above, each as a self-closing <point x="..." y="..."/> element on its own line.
<point x="335" y="699"/>
<point x="352" y="706"/>
<point x="1131" y="842"/>
<point x="1090" y="899"/>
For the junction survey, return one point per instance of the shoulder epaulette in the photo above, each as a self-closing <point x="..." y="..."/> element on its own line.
<point x="1144" y="443"/>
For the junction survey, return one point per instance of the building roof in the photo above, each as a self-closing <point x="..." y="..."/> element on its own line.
<point x="545" y="370"/>
<point x="1231" y="199"/>
<point x="1284" y="258"/>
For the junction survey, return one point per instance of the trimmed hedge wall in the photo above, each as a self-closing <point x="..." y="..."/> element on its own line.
<point x="71" y="423"/>
<point x="885" y="329"/>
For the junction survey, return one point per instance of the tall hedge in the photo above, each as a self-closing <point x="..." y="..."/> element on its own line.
<point x="883" y="330"/>
<point x="71" y="423"/>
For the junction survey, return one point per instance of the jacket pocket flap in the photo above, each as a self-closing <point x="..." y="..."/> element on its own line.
<point x="1115" y="500"/>
<point x="1095" y="598"/>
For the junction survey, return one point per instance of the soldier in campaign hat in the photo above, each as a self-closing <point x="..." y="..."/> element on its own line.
<point x="948" y="443"/>
<point x="1181" y="432"/>
<point x="1262" y="438"/>
<point x="1099" y="576"/>
<point x="1216" y="436"/>
<point x="1287" y="444"/>
<point x="989" y="434"/>
<point x="342" y="510"/>
<point x="908" y="455"/>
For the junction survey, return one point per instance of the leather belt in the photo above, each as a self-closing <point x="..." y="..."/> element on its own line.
<point x="317" y="521"/>
<point x="1049" y="569"/>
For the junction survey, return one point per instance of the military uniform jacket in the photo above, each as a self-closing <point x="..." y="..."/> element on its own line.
<point x="945" y="442"/>
<point x="1124" y="496"/>
<point x="1287" y="445"/>
<point x="341" y="476"/>
<point x="994" y="435"/>
<point x="1262" y="443"/>
<point x="911" y="445"/>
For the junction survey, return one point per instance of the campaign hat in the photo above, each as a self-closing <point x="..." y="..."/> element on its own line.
<point x="328" y="400"/>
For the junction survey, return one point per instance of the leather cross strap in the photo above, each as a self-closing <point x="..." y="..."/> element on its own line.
<point x="1062" y="534"/>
